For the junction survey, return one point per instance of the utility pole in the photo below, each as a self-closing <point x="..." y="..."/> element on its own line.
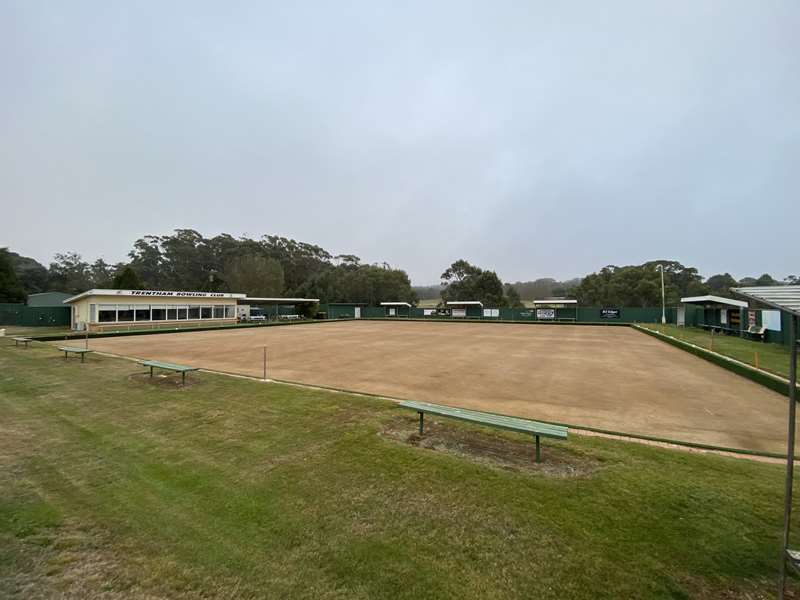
<point x="663" y="300"/>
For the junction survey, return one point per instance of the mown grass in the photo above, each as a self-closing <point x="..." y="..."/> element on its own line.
<point x="773" y="358"/>
<point x="19" y="330"/>
<point x="112" y="485"/>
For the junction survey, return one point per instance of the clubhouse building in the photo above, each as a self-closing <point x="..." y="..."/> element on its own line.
<point x="101" y="310"/>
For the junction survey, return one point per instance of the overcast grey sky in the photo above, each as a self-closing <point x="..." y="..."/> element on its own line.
<point x="534" y="138"/>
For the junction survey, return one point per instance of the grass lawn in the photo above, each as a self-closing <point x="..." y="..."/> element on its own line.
<point x="771" y="357"/>
<point x="117" y="486"/>
<point x="14" y="330"/>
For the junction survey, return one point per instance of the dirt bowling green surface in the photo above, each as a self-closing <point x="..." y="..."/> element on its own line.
<point x="606" y="377"/>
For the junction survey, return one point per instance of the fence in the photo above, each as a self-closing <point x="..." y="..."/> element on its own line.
<point x="34" y="316"/>
<point x="584" y="314"/>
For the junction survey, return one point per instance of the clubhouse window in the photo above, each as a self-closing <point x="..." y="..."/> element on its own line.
<point x="107" y="313"/>
<point x="124" y="312"/>
<point x="206" y="312"/>
<point x="158" y="313"/>
<point x="172" y="313"/>
<point x="219" y="311"/>
<point x="142" y="312"/>
<point x="230" y="311"/>
<point x="194" y="312"/>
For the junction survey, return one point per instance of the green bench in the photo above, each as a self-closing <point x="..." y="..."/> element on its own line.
<point x="21" y="340"/>
<point x="157" y="364"/>
<point x="534" y="428"/>
<point x="67" y="350"/>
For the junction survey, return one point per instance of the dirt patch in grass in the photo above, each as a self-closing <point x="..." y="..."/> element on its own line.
<point x="164" y="381"/>
<point x="490" y="448"/>
<point x="762" y="589"/>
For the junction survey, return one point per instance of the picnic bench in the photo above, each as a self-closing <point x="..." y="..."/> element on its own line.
<point x="534" y="428"/>
<point x="157" y="364"/>
<point x="67" y="350"/>
<point x="22" y="340"/>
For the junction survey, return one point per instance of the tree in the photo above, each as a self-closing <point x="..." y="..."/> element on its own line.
<point x="512" y="297"/>
<point x="255" y="275"/>
<point x="147" y="259"/>
<point x="545" y="287"/>
<point x="70" y="273"/>
<point x="792" y="280"/>
<point x="32" y="275"/>
<point x="127" y="279"/>
<point x="766" y="279"/>
<point x="102" y="274"/>
<point x="371" y="284"/>
<point x="464" y="281"/>
<point x="720" y="285"/>
<point x="639" y="285"/>
<point x="11" y="289"/>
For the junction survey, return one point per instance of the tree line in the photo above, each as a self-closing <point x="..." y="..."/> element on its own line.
<point x="271" y="266"/>
<point x="640" y="285"/>
<point x="274" y="266"/>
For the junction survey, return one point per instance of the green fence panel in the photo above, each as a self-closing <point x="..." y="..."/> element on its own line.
<point x="373" y="312"/>
<point x="34" y="316"/>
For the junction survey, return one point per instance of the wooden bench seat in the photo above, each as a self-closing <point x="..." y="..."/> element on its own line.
<point x="67" y="350"/>
<point x="527" y="426"/>
<point x="22" y="340"/>
<point x="157" y="364"/>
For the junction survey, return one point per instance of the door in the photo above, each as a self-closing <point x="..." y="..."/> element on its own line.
<point x="357" y="312"/>
<point x="681" y="316"/>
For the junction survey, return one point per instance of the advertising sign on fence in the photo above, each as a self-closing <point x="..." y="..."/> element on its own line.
<point x="546" y="314"/>
<point x="609" y="313"/>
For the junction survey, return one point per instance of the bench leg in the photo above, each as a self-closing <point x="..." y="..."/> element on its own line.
<point x="421" y="421"/>
<point x="151" y="372"/>
<point x="538" y="450"/>
<point x="83" y="356"/>
<point x="183" y="378"/>
<point x="65" y="355"/>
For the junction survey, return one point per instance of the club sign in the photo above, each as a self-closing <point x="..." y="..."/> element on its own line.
<point x="609" y="313"/>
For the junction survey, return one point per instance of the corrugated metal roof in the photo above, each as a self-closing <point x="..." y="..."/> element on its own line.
<point x="465" y="303"/>
<point x="556" y="301"/>
<point x="395" y="304"/>
<point x="152" y="293"/>
<point x="280" y="300"/>
<point x="713" y="300"/>
<point x="783" y="297"/>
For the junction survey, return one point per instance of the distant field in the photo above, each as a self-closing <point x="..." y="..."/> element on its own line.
<point x="432" y="303"/>
<point x="113" y="486"/>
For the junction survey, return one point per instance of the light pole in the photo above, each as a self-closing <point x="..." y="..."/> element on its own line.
<point x="663" y="301"/>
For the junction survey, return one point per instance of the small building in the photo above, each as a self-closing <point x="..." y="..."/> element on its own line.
<point x="712" y="311"/>
<point x="274" y="308"/>
<point x="345" y="310"/>
<point x="109" y="310"/>
<point x="48" y="299"/>
<point x="460" y="309"/>
<point x="556" y="309"/>
<point x="397" y="309"/>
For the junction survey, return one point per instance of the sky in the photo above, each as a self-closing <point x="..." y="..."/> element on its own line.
<point x="532" y="138"/>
